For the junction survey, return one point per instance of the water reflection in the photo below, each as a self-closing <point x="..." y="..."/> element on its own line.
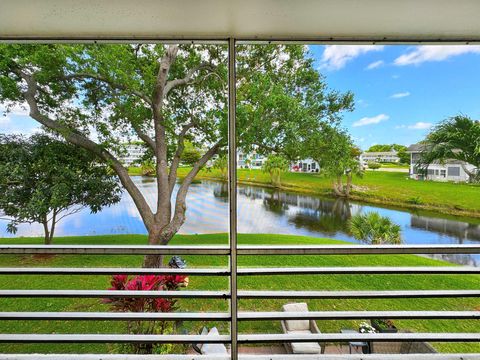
<point x="458" y="229"/>
<point x="264" y="210"/>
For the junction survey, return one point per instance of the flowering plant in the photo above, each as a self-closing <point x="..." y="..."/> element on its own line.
<point x="366" y="328"/>
<point x="141" y="304"/>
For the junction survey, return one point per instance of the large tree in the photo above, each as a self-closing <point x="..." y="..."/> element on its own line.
<point x="337" y="156"/>
<point x="95" y="96"/>
<point x="455" y="138"/>
<point x="43" y="180"/>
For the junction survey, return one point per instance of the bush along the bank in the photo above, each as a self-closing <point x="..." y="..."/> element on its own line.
<point x="146" y="283"/>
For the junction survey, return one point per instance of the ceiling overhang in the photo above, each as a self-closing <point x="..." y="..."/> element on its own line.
<point x="295" y="20"/>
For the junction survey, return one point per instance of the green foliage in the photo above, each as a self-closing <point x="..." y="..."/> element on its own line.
<point x="415" y="200"/>
<point x="374" y="165"/>
<point x="455" y="138"/>
<point x="282" y="100"/>
<point x="167" y="95"/>
<point x="337" y="155"/>
<point x="275" y="165"/>
<point x="372" y="228"/>
<point x="221" y="163"/>
<point x="190" y="154"/>
<point x="43" y="180"/>
<point x="404" y="156"/>
<point x="386" y="147"/>
<point x="147" y="167"/>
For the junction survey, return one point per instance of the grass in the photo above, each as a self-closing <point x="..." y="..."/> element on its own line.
<point x="394" y="166"/>
<point x="300" y="282"/>
<point x="377" y="187"/>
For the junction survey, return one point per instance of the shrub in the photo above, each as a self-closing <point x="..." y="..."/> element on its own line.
<point x="275" y="165"/>
<point x="374" y="165"/>
<point x="372" y="228"/>
<point x="160" y="304"/>
<point x="415" y="200"/>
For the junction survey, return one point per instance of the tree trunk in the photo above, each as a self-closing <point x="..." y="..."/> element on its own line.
<point x="471" y="175"/>
<point x="338" y="187"/>
<point x="156" y="237"/>
<point x="349" y="185"/>
<point x="48" y="239"/>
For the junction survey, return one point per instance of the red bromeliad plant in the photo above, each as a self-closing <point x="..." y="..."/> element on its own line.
<point x="133" y="304"/>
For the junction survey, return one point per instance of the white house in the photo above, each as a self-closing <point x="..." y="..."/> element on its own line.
<point x="250" y="161"/>
<point x="305" y="165"/>
<point x="133" y="153"/>
<point x="380" y="157"/>
<point x="450" y="170"/>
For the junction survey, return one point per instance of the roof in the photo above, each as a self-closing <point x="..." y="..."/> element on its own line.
<point x="303" y="20"/>
<point x="380" y="153"/>
<point x="416" y="148"/>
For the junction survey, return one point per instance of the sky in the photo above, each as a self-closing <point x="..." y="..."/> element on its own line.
<point x="400" y="91"/>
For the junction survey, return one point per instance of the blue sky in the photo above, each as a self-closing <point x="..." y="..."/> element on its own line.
<point x="400" y="91"/>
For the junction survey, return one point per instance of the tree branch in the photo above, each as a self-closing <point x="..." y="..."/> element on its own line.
<point x="113" y="84"/>
<point x="180" y="207"/>
<point x="77" y="139"/>
<point x="172" y="175"/>
<point x="147" y="139"/>
<point x="142" y="135"/>
<point x="188" y="78"/>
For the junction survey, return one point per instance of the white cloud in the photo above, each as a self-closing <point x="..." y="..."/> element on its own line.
<point x="420" y="54"/>
<point x="5" y="121"/>
<point x="400" y="95"/>
<point x="400" y="127"/>
<point x="395" y="76"/>
<point x="18" y="110"/>
<point x="371" y="120"/>
<point x="336" y="56"/>
<point x="420" y="126"/>
<point x="375" y="65"/>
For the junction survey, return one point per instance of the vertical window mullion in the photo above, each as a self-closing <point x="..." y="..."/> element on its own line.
<point x="232" y="198"/>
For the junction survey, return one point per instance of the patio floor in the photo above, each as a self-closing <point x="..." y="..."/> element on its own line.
<point x="270" y="350"/>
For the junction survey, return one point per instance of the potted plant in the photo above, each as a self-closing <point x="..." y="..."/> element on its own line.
<point x="384" y="325"/>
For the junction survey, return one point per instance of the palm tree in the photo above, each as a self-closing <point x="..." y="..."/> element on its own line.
<point x="221" y="163"/>
<point x="456" y="138"/>
<point x="374" y="229"/>
<point x="275" y="165"/>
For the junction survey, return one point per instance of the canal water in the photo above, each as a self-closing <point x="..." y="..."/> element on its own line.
<point x="263" y="210"/>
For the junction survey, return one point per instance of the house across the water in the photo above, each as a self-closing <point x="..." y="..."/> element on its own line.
<point x="305" y="165"/>
<point x="380" y="157"/>
<point x="449" y="170"/>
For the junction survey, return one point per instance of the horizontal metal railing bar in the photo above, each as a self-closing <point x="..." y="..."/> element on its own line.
<point x="114" y="316"/>
<point x="112" y="338"/>
<point x="242" y="316"/>
<point x="115" y="249"/>
<point x="241" y="356"/>
<point x="356" y="315"/>
<point x="114" y="271"/>
<point x="358" y="249"/>
<point x="245" y="271"/>
<point x="111" y="294"/>
<point x="345" y="337"/>
<point x="359" y="270"/>
<point x="363" y="294"/>
<point x="242" y="250"/>
<point x="244" y="338"/>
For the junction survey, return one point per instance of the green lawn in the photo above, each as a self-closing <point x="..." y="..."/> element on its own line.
<point x="394" y="166"/>
<point x="299" y="282"/>
<point x="388" y="188"/>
